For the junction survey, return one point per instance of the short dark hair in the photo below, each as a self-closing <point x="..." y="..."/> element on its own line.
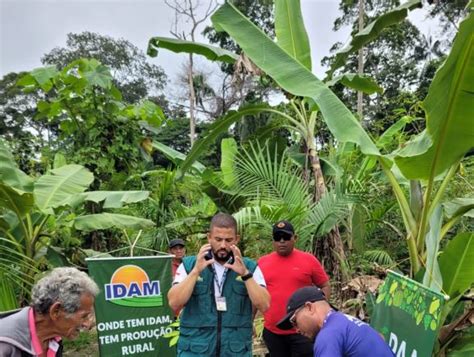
<point x="224" y="220"/>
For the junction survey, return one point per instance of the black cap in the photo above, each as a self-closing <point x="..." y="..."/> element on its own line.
<point x="298" y="299"/>
<point x="175" y="242"/>
<point x="283" y="226"/>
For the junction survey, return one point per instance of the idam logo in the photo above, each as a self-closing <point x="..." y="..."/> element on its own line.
<point x="130" y="286"/>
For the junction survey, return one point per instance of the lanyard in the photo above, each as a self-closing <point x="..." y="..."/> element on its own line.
<point x="221" y="284"/>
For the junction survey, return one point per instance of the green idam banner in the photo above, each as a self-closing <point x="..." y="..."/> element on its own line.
<point x="132" y="312"/>
<point x="408" y="315"/>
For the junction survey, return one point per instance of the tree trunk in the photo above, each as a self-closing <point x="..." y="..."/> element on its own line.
<point x="192" y="101"/>
<point x="329" y="249"/>
<point x="360" y="67"/>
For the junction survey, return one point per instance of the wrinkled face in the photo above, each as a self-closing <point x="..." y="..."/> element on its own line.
<point x="221" y="239"/>
<point x="304" y="322"/>
<point x="283" y="243"/>
<point x="179" y="251"/>
<point x="69" y="325"/>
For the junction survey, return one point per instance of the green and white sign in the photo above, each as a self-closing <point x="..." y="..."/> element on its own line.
<point x="408" y="315"/>
<point x="132" y="312"/>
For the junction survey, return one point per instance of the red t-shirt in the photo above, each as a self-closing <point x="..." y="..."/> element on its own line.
<point x="285" y="275"/>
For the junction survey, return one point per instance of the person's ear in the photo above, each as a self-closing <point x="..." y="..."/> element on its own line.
<point x="311" y="307"/>
<point x="55" y="311"/>
<point x="209" y="237"/>
<point x="295" y="237"/>
<point x="237" y="239"/>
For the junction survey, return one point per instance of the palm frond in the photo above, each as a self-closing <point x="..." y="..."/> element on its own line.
<point x="379" y="256"/>
<point x="16" y="270"/>
<point x="324" y="215"/>
<point x="266" y="179"/>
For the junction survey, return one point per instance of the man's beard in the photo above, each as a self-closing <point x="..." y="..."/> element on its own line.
<point x="222" y="259"/>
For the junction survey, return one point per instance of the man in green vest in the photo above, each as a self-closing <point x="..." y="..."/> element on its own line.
<point x="217" y="290"/>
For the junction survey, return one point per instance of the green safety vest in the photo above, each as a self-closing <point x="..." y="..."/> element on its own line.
<point x="203" y="330"/>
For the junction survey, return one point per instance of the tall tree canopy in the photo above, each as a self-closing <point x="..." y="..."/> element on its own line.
<point x="391" y="60"/>
<point x="133" y="75"/>
<point x="403" y="68"/>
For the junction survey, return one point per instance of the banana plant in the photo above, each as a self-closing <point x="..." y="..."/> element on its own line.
<point x="30" y="209"/>
<point x="433" y="155"/>
<point x="437" y="151"/>
<point x="420" y="172"/>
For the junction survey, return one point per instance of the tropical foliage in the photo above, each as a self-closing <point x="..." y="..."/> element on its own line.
<point x="115" y="172"/>
<point x="422" y="161"/>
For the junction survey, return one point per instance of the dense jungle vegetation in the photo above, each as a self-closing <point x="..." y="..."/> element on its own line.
<point x="373" y="164"/>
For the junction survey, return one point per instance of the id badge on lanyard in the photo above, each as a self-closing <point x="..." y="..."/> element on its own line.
<point x="221" y="304"/>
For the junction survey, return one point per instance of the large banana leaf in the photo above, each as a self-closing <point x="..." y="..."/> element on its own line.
<point x="290" y="31"/>
<point x="229" y="151"/>
<point x="9" y="172"/>
<point x="17" y="201"/>
<point x="115" y="199"/>
<point x="460" y="207"/>
<point x="94" y="222"/>
<point x="395" y="129"/>
<point x="179" y="46"/>
<point x="176" y="156"/>
<point x="457" y="264"/>
<point x="292" y="76"/>
<point x="372" y="31"/>
<point x="218" y="127"/>
<point x="449" y="113"/>
<point x="55" y="189"/>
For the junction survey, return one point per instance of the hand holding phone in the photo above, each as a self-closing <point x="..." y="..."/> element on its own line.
<point x="206" y="253"/>
<point x="236" y="262"/>
<point x="231" y="259"/>
<point x="209" y="255"/>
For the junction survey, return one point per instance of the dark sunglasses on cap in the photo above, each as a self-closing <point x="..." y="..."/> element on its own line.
<point x="282" y="235"/>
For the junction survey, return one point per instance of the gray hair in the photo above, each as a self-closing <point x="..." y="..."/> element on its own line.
<point x="63" y="285"/>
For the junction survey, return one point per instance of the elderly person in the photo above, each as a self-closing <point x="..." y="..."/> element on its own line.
<point x="61" y="305"/>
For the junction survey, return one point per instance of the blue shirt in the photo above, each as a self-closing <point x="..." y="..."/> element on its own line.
<point x="345" y="336"/>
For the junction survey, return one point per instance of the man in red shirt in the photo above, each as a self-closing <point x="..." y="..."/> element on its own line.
<point x="286" y="270"/>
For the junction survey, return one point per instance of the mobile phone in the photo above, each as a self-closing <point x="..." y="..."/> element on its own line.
<point x="231" y="258"/>
<point x="209" y="255"/>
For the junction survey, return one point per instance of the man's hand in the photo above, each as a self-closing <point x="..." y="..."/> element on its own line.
<point x="201" y="262"/>
<point x="238" y="266"/>
<point x="179" y="294"/>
